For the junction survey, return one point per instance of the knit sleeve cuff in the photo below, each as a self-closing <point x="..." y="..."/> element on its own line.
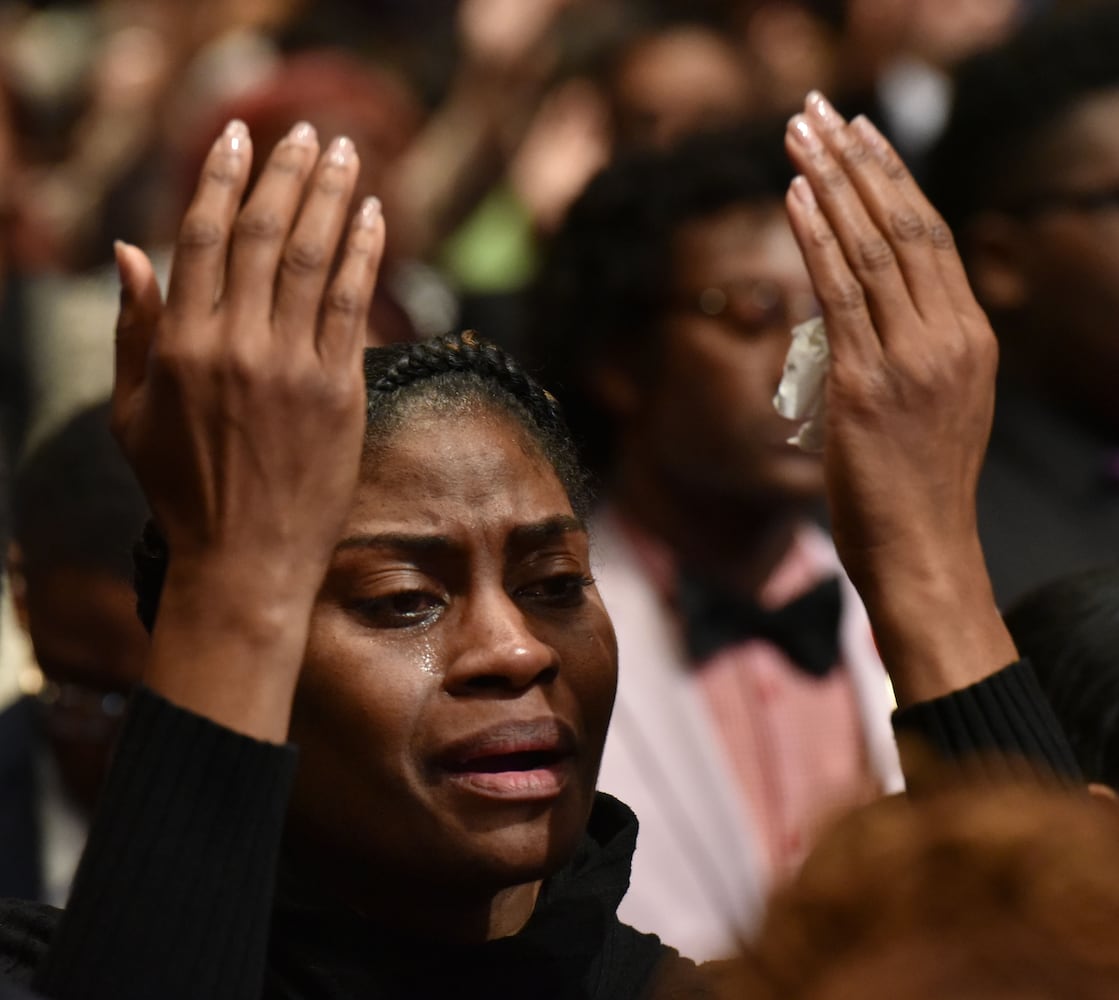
<point x="173" y="894"/>
<point x="1005" y="715"/>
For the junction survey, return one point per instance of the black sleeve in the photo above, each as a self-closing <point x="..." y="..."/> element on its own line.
<point x="1004" y="715"/>
<point x="173" y="894"/>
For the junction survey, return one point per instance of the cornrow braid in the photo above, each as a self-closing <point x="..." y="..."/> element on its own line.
<point x="390" y="369"/>
<point x="454" y="370"/>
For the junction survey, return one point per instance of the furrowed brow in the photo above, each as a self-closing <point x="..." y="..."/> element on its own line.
<point x="533" y="535"/>
<point x="398" y="542"/>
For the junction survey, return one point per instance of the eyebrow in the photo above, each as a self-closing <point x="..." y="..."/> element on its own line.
<point x="522" y="536"/>
<point x="527" y="535"/>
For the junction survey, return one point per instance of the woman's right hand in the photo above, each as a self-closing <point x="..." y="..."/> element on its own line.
<point x="240" y="402"/>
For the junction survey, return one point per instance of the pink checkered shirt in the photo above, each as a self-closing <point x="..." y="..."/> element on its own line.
<point x="795" y="742"/>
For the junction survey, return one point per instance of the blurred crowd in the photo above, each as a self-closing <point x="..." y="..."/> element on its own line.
<point x="477" y="124"/>
<point x="599" y="186"/>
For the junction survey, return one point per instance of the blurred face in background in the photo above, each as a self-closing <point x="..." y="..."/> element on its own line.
<point x="677" y="82"/>
<point x="90" y="646"/>
<point x="1052" y="267"/>
<point x="703" y="419"/>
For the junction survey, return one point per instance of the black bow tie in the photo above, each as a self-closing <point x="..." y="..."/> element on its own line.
<point x="807" y="629"/>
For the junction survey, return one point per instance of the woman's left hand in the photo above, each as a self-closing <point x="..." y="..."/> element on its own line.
<point x="910" y="396"/>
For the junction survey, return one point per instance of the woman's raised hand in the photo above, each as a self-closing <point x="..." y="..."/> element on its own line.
<point x="910" y="396"/>
<point x="240" y="401"/>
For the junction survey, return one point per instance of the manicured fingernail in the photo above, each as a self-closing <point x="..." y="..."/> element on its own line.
<point x="341" y="151"/>
<point x="803" y="191"/>
<point x="823" y="110"/>
<point x="235" y="135"/>
<point x="369" y="213"/>
<point x="805" y="133"/>
<point x="303" y="133"/>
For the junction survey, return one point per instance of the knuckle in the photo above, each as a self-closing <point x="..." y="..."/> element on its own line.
<point x="822" y="236"/>
<point x="333" y="181"/>
<point x="222" y="170"/>
<point x="874" y="254"/>
<point x="845" y="297"/>
<point x="907" y="226"/>
<point x="941" y="236"/>
<point x="344" y="301"/>
<point x="200" y="233"/>
<point x="259" y="225"/>
<point x="894" y="168"/>
<point x="175" y="365"/>
<point x="303" y="256"/>
<point x="854" y="154"/>
<point x="831" y="178"/>
<point x="287" y="162"/>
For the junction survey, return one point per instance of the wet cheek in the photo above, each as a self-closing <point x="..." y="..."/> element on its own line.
<point x="425" y="659"/>
<point x="372" y="686"/>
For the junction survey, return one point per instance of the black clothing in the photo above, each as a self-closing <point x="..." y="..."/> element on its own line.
<point x="173" y="895"/>
<point x="1048" y="498"/>
<point x="806" y="629"/>
<point x="1005" y="715"/>
<point x="20" y="841"/>
<point x="573" y="945"/>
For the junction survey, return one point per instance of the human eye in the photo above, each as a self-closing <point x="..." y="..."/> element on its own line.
<point x="557" y="590"/>
<point x="400" y="609"/>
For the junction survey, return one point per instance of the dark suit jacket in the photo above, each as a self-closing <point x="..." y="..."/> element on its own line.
<point x="1048" y="496"/>
<point x="20" y="861"/>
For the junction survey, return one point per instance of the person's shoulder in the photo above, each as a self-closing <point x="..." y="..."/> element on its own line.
<point x="25" y="933"/>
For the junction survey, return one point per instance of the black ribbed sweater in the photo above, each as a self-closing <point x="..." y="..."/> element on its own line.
<point x="176" y="893"/>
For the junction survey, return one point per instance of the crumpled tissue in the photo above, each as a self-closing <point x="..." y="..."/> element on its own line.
<point x="800" y="395"/>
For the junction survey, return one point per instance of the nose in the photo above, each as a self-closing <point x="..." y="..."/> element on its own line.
<point x="498" y="650"/>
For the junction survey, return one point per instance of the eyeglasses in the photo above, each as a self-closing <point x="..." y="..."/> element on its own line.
<point x="751" y="306"/>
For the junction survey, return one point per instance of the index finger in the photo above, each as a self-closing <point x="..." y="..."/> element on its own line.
<point x="203" y="241"/>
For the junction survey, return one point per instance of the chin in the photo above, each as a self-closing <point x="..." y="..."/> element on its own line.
<point x="525" y="850"/>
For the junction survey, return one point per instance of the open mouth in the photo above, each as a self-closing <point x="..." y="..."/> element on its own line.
<point x="521" y="762"/>
<point x="498" y="763"/>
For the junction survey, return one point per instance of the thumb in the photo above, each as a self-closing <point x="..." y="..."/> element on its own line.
<point x="141" y="306"/>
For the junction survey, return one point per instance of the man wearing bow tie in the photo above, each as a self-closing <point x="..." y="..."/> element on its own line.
<point x="751" y="703"/>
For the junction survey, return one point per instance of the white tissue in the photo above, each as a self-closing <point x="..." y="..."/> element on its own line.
<point x="800" y="396"/>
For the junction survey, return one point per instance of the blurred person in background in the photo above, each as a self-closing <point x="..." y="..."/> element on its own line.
<point x="676" y="71"/>
<point x="602" y="79"/>
<point x="751" y="702"/>
<point x="976" y="890"/>
<point x="890" y="59"/>
<point x="76" y="511"/>
<point x="336" y="94"/>
<point x="1068" y="628"/>
<point x="1028" y="176"/>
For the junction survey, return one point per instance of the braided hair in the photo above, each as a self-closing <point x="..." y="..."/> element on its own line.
<point x="448" y="373"/>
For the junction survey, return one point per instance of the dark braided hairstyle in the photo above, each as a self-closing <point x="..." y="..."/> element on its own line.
<point x="449" y="373"/>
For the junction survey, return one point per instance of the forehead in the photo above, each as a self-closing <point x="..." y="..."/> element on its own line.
<point x="458" y="468"/>
<point x="1082" y="147"/>
<point x="742" y="241"/>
